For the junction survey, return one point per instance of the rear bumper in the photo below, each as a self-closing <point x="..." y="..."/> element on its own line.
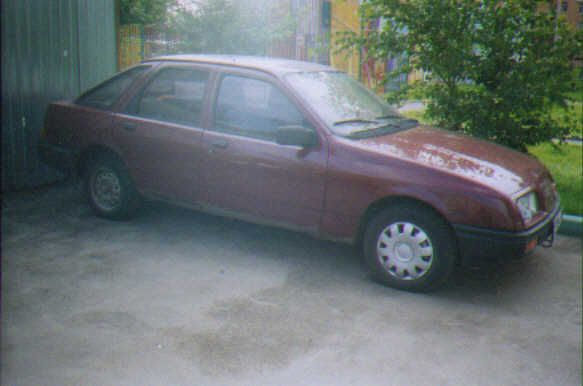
<point x="59" y="157"/>
<point x="477" y="245"/>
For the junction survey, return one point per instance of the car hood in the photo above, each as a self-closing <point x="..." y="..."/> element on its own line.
<point x="486" y="163"/>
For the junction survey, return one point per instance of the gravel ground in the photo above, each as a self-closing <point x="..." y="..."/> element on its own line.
<point x="177" y="297"/>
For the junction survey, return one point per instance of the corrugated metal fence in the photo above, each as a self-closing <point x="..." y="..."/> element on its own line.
<point x="51" y="49"/>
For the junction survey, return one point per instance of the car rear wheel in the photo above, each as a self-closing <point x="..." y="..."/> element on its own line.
<point x="409" y="248"/>
<point x="110" y="189"/>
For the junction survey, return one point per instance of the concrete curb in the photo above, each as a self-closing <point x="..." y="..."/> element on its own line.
<point x="571" y="225"/>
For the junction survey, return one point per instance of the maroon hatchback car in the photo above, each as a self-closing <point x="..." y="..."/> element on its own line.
<point x="303" y="146"/>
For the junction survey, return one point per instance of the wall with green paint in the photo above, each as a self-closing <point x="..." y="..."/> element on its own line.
<point x="51" y="50"/>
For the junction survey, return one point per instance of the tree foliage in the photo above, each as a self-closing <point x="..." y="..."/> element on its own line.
<point x="145" y="12"/>
<point x="496" y="68"/>
<point x="231" y="27"/>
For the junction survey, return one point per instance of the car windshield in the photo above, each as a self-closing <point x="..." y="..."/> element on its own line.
<point x="348" y="108"/>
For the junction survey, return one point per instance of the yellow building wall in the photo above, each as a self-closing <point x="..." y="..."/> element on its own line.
<point x="415" y="75"/>
<point x="130" y="46"/>
<point x="344" y="15"/>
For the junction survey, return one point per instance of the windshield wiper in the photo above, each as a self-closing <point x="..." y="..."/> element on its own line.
<point x="404" y="124"/>
<point x="353" y="120"/>
<point x="389" y="127"/>
<point x="402" y="121"/>
<point x="408" y="123"/>
<point x="389" y="116"/>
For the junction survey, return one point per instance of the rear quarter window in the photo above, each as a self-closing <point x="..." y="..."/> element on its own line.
<point x="107" y="93"/>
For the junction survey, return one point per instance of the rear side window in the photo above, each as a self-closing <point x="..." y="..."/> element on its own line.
<point x="174" y="95"/>
<point x="106" y="94"/>
<point x="253" y="108"/>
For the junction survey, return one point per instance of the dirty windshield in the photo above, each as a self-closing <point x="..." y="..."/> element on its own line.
<point x="347" y="107"/>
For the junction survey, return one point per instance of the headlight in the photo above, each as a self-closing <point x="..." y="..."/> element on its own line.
<point x="528" y="205"/>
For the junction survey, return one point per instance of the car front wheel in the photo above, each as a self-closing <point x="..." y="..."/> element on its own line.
<point x="410" y="248"/>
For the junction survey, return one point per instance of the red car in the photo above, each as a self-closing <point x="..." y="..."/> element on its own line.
<point x="303" y="146"/>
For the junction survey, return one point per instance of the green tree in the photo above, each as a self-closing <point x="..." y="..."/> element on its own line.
<point x="231" y="27"/>
<point x="145" y="12"/>
<point x="496" y="68"/>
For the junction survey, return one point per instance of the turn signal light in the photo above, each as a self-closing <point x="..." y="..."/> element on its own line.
<point x="531" y="245"/>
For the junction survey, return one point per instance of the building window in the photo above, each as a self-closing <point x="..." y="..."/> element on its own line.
<point x="564" y="6"/>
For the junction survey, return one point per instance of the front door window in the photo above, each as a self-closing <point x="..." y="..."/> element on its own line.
<point x="253" y="108"/>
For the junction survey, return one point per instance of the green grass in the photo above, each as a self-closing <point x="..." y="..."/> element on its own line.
<point x="575" y="95"/>
<point x="565" y="164"/>
<point x="418" y="115"/>
<point x="571" y="117"/>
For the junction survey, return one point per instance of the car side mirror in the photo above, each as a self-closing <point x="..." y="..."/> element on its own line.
<point x="296" y="136"/>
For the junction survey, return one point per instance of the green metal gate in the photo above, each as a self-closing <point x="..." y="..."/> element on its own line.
<point x="51" y="49"/>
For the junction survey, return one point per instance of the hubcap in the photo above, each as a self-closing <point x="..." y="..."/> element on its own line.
<point x="405" y="251"/>
<point x="106" y="189"/>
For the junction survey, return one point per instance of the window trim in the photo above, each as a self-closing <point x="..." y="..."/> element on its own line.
<point x="111" y="107"/>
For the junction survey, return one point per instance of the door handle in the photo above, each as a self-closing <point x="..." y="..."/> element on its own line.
<point x="129" y="126"/>
<point x="220" y="144"/>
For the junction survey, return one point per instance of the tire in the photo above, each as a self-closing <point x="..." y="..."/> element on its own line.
<point x="410" y="248"/>
<point x="109" y="188"/>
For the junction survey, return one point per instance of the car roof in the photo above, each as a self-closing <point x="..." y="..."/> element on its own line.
<point x="275" y="66"/>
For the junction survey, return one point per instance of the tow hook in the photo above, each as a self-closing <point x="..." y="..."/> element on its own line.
<point x="548" y="242"/>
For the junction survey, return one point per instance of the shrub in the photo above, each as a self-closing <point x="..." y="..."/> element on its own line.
<point x="496" y="69"/>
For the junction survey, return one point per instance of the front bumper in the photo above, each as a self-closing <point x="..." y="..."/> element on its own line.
<point x="59" y="157"/>
<point x="477" y="245"/>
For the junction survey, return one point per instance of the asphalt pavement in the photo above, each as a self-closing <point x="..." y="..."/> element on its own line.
<point x="177" y="297"/>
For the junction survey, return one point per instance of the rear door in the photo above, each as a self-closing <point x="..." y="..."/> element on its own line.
<point x="245" y="170"/>
<point x="159" y="132"/>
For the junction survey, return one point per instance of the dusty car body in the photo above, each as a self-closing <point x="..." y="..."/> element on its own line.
<point x="281" y="142"/>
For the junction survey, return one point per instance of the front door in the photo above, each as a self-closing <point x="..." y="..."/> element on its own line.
<point x="246" y="171"/>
